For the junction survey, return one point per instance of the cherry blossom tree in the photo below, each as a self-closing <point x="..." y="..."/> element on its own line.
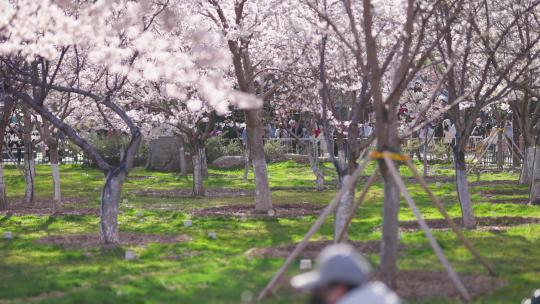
<point x="523" y="35"/>
<point x="475" y="76"/>
<point x="386" y="62"/>
<point x="254" y="37"/>
<point x="119" y="43"/>
<point x="7" y="109"/>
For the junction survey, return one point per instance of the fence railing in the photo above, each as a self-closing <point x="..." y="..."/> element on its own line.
<point x="436" y="149"/>
<point x="16" y="156"/>
<point x="433" y="150"/>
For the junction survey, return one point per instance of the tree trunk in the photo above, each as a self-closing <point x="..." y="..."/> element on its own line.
<point x="55" y="160"/>
<point x="121" y="152"/>
<point x="314" y="163"/>
<point x="424" y="152"/>
<point x="183" y="166"/>
<point x="29" y="165"/>
<point x="110" y="198"/>
<point x="246" y="164"/>
<point x="462" y="187"/>
<point x="204" y="161"/>
<point x="500" y="155"/>
<point x="198" y="174"/>
<point x="516" y="161"/>
<point x="535" y="183"/>
<point x="6" y="114"/>
<point x="263" y="196"/>
<point x="3" y="196"/>
<point x="390" y="233"/>
<point x="343" y="210"/>
<point x="527" y="166"/>
<point x="342" y="158"/>
<point x="148" y="164"/>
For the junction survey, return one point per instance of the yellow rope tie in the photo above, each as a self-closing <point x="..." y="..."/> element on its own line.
<point x="393" y="156"/>
<point x="500" y="129"/>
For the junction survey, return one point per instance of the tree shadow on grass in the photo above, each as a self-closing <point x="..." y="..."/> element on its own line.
<point x="5" y="218"/>
<point x="45" y="225"/>
<point x="514" y="257"/>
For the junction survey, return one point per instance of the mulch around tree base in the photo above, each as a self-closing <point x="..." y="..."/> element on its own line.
<point x="481" y="222"/>
<point x="211" y="192"/>
<point x="423" y="284"/>
<point x="69" y="206"/>
<point x="126" y="238"/>
<point x="279" y="210"/>
<point x="312" y="249"/>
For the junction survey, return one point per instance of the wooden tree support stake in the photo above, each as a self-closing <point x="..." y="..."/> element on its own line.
<point x="513" y="144"/>
<point x="314" y="228"/>
<point x="438" y="251"/>
<point x="476" y="160"/>
<point x="372" y="179"/>
<point x="445" y="214"/>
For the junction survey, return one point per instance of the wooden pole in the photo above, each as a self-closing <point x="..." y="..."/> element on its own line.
<point x="438" y="251"/>
<point x="351" y="182"/>
<point x="488" y="143"/>
<point x="445" y="214"/>
<point x="515" y="147"/>
<point x="372" y="179"/>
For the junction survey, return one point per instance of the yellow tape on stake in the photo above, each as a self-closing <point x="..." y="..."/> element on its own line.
<point x="393" y="156"/>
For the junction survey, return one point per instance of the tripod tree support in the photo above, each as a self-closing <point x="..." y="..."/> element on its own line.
<point x="485" y="147"/>
<point x="489" y="141"/>
<point x="453" y="225"/>
<point x="351" y="182"/>
<point x="515" y="147"/>
<point x="388" y="159"/>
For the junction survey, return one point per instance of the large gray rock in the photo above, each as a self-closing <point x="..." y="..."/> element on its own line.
<point x="228" y="162"/>
<point x="164" y="155"/>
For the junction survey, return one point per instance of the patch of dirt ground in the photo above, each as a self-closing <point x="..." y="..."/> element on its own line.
<point x="504" y="192"/>
<point x="431" y="179"/>
<point x="423" y="284"/>
<point x="481" y="222"/>
<point x="126" y="238"/>
<point x="312" y="249"/>
<point x="517" y="201"/>
<point x="509" y="183"/>
<point x="140" y="177"/>
<point x="302" y="188"/>
<point x="279" y="210"/>
<point x="211" y="192"/>
<point x="69" y="206"/>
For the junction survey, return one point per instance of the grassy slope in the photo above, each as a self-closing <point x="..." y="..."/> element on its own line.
<point x="216" y="271"/>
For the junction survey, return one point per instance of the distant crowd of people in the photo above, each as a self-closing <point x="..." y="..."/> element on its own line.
<point x="443" y="129"/>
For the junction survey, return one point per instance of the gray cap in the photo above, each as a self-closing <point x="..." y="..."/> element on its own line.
<point x="338" y="263"/>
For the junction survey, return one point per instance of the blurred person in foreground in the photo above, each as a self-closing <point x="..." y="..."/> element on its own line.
<point x="342" y="277"/>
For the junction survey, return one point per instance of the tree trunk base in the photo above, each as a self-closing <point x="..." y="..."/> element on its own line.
<point x="343" y="210"/>
<point x="527" y="167"/>
<point x="462" y="188"/>
<point x="535" y="184"/>
<point x="110" y="199"/>
<point x="390" y="230"/>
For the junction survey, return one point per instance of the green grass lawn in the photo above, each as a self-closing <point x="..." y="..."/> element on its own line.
<point x="217" y="271"/>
